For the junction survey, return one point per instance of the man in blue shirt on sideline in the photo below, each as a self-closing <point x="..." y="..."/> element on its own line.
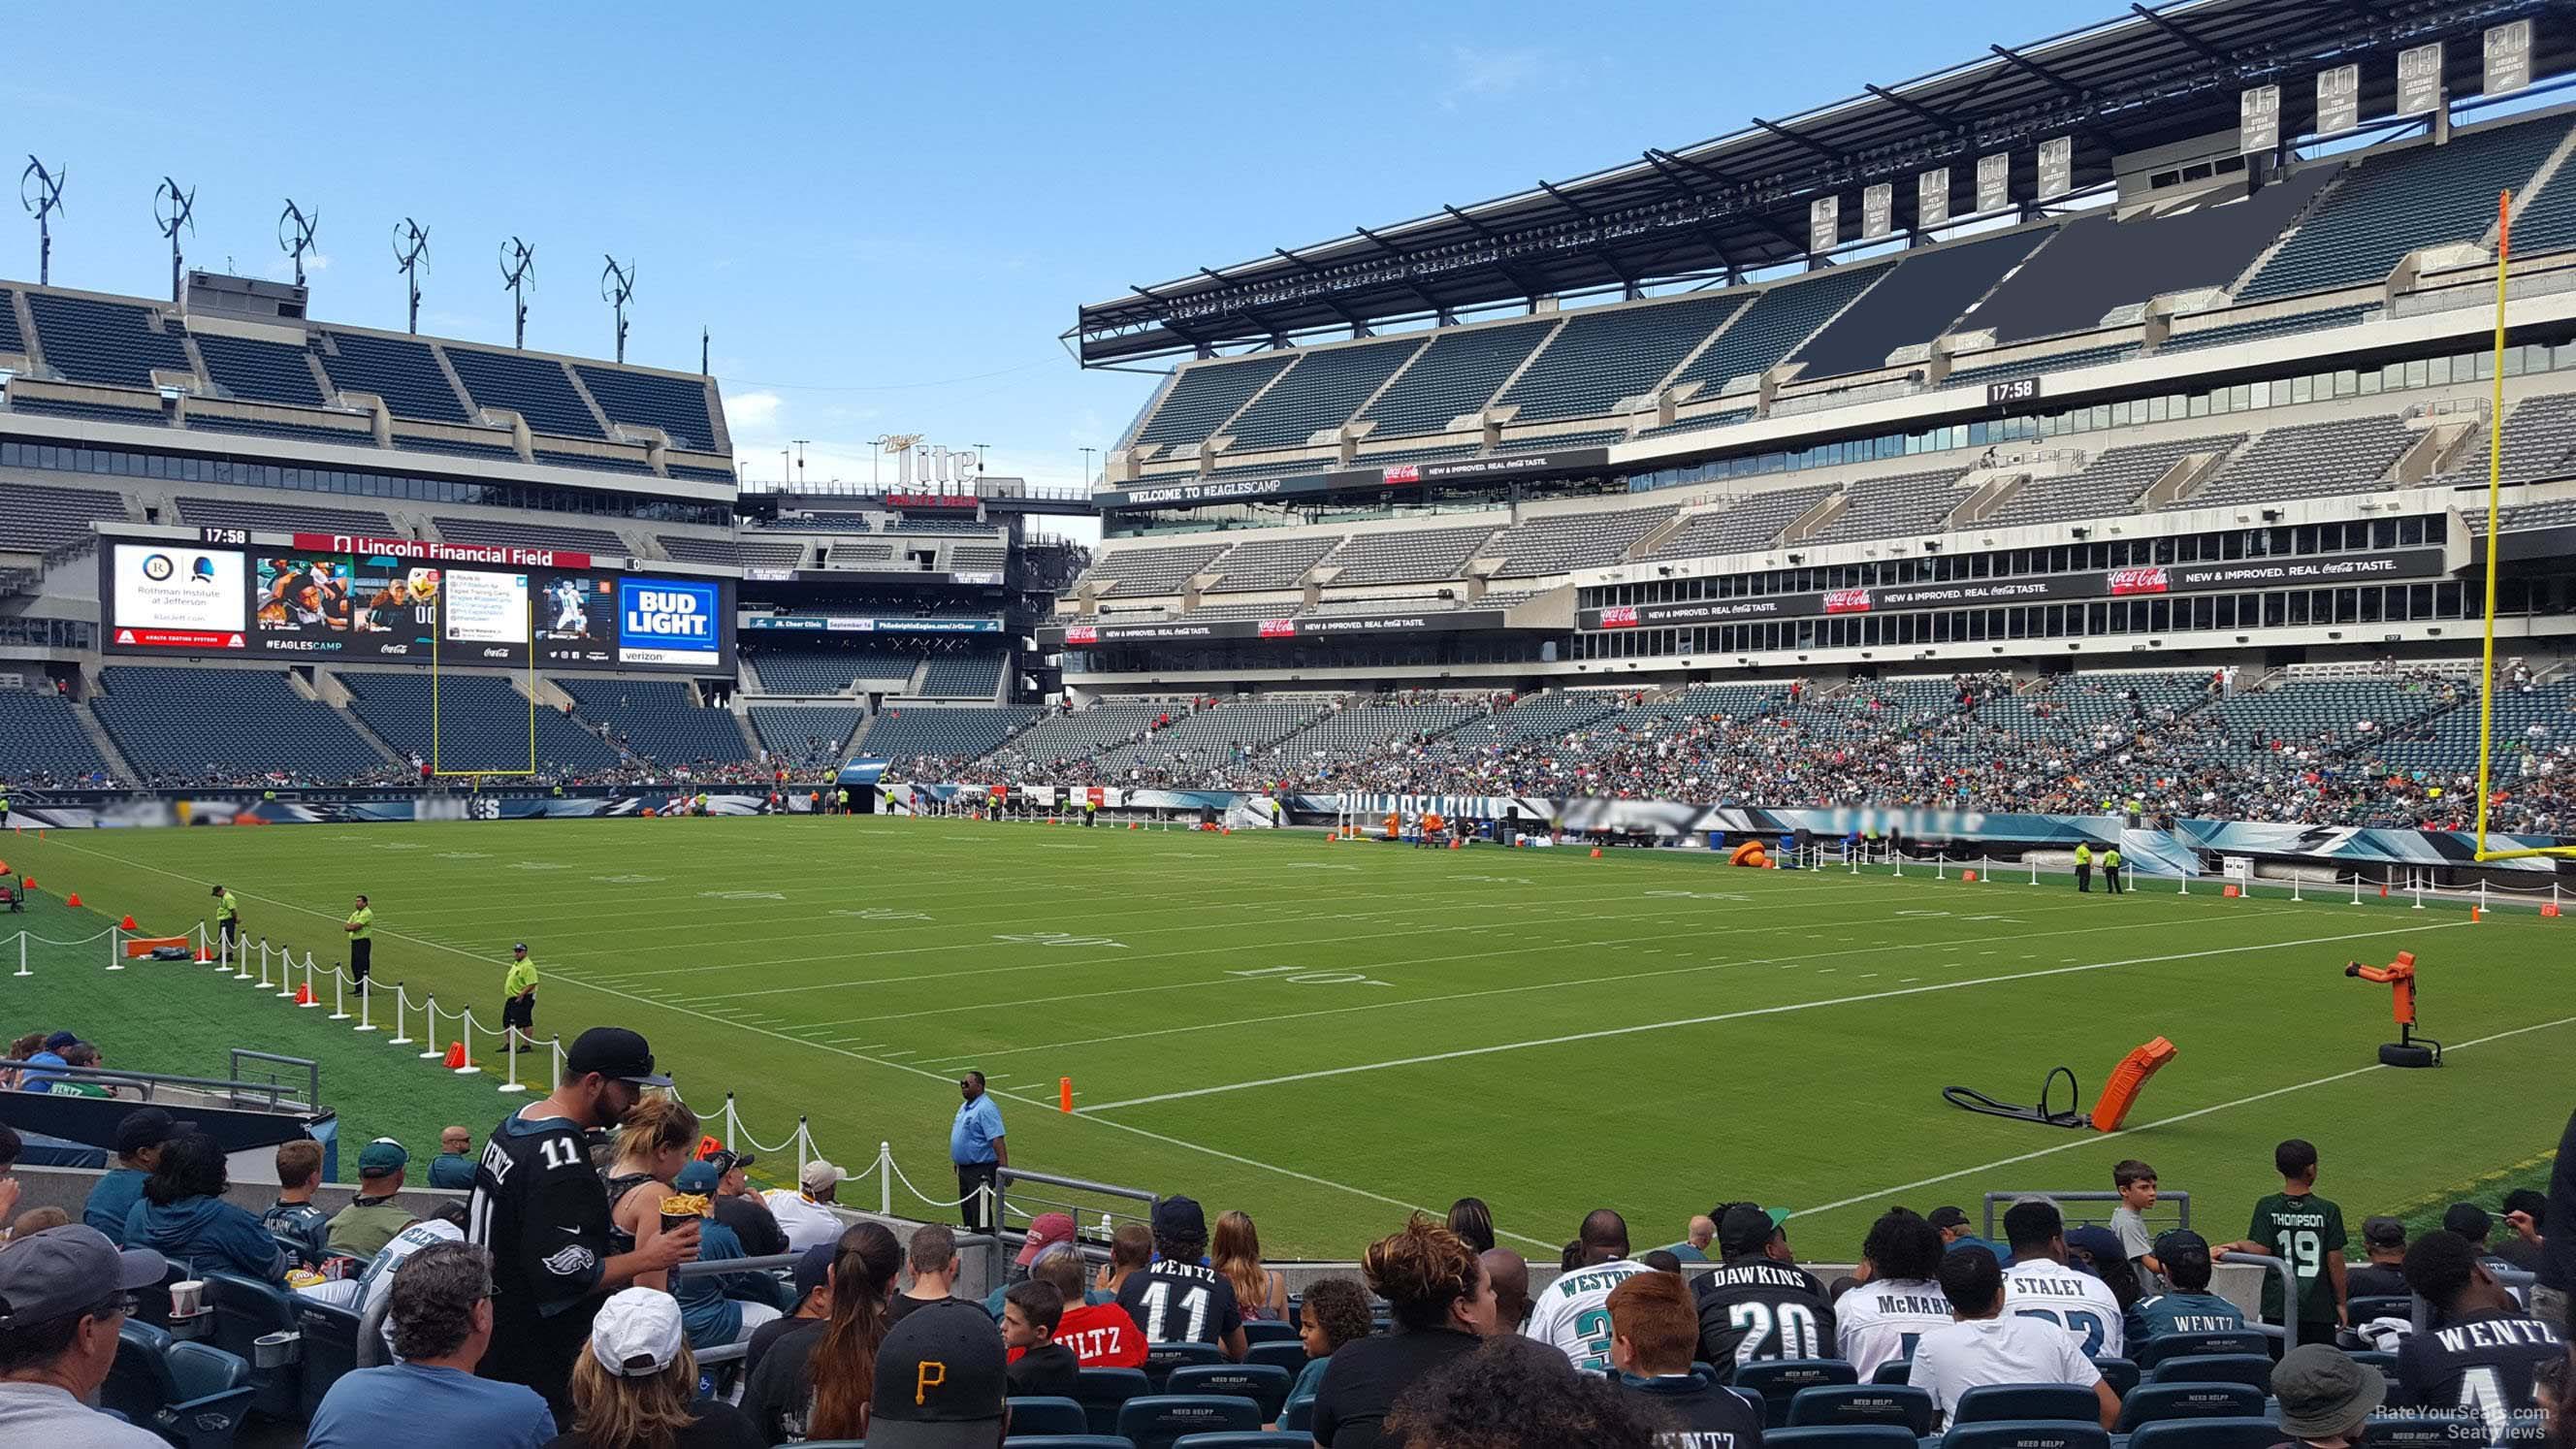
<point x="442" y="1322"/>
<point x="975" y="1146"/>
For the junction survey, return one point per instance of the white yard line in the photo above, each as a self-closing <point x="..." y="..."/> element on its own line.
<point x="1780" y="1010"/>
<point x="2091" y="1139"/>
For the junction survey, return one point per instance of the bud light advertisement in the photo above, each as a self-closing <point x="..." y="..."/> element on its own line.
<point x="668" y="622"/>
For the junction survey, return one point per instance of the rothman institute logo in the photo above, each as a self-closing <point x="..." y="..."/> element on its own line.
<point x="158" y="567"/>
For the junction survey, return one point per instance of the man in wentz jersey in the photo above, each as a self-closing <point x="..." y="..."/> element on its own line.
<point x="540" y="1208"/>
<point x="2479" y="1357"/>
<point x="1572" y="1314"/>
<point x="1759" y="1305"/>
<point x="1178" y="1299"/>
<point x="2040" y="1285"/>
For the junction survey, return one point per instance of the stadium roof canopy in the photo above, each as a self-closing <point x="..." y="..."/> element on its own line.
<point x="2152" y="77"/>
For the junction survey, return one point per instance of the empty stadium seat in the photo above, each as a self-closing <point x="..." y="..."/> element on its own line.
<point x="1253" y="1439"/>
<point x="1299" y="1415"/>
<point x="2175" y="1345"/>
<point x="2155" y="1403"/>
<point x="688" y="548"/>
<point x="807" y="733"/>
<point x="456" y="528"/>
<point x="2252" y="1369"/>
<point x="1142" y="572"/>
<point x="962" y="676"/>
<point x="1265" y="1384"/>
<point x="1155" y="1421"/>
<point x="246" y="1311"/>
<point x="1103" y="1391"/>
<point x="536" y="388"/>
<point x="474" y="722"/>
<point x="677" y="405"/>
<point x="1201" y="398"/>
<point x="1275" y="563"/>
<point x="1779" y="1380"/>
<point x="1839" y="1404"/>
<point x="1016" y="1441"/>
<point x="1894" y="1371"/>
<point x="1162" y="1358"/>
<point x="36" y="517"/>
<point x="1992" y="1403"/>
<point x="1269" y="1330"/>
<point x="659" y="720"/>
<point x="192" y="1394"/>
<point x="261" y="371"/>
<point x="45" y="738"/>
<point x="1285" y="1354"/>
<point x="2311" y="460"/>
<point x="2251" y="1431"/>
<point x="1601" y="356"/>
<point x="285" y="517"/>
<point x="402" y="371"/>
<point x="1843" y="1436"/>
<point x="1046" y="1414"/>
<point x="1406" y="555"/>
<point x="194" y="724"/>
<point x="1778" y="322"/>
<point x="943" y="731"/>
<point x="2400" y="1430"/>
<point x="328" y="1350"/>
<point x="1319" y="392"/>
<point x="1456" y="374"/>
<point x="2368" y="1306"/>
<point x="2026" y="1434"/>
<point x="791" y="670"/>
<point x="1560" y="542"/>
<point x="1755" y="521"/>
<point x="105" y="342"/>
<point x="2108" y="485"/>
<point x="1902" y="504"/>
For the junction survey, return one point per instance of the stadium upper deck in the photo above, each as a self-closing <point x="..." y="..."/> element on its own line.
<point x="2182" y="338"/>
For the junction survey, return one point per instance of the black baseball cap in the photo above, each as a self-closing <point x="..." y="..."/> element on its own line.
<point x="1745" y="1229"/>
<point x="2468" y="1220"/>
<point x="813" y="1269"/>
<point x="613" y="1051"/>
<point x="1179" y="1217"/>
<point x="940" y="1383"/>
<point x="1948" y="1217"/>
<point x="725" y="1160"/>
<point x="2383" y="1232"/>
<point x="147" y="1127"/>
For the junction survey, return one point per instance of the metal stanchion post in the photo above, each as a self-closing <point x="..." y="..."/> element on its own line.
<point x="286" y="973"/>
<point x="402" y="998"/>
<point x="263" y="963"/>
<point x="885" y="1179"/>
<point x="1941" y="865"/>
<point x="22" y="955"/>
<point x="2356" y="888"/>
<point x="465" y="1025"/>
<point x="511" y="1080"/>
<point x="366" y="999"/>
<point x="339" y="996"/>
<point x="113" y="964"/>
<point x="430" y="1008"/>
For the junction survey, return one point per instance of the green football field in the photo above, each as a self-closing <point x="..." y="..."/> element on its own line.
<point x="1328" y="1033"/>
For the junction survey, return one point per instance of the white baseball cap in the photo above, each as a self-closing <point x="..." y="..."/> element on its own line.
<point x="638" y="1332"/>
<point x="820" y="1175"/>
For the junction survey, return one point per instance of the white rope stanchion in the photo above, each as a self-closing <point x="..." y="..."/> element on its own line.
<point x="885" y="1179"/>
<point x="241" y="948"/>
<point x="2419" y="893"/>
<point x="339" y="999"/>
<point x="401" y="999"/>
<point x="113" y="964"/>
<point x="465" y="1025"/>
<point x="263" y="963"/>
<point x="1897" y="856"/>
<point x="2034" y="869"/>
<point x="2185" y="874"/>
<point x="366" y="1000"/>
<point x="555" y="1058"/>
<point x="510" y="1057"/>
<point x="286" y="973"/>
<point x="2294" y="882"/>
<point x="431" y="1009"/>
<point x="1941" y="865"/>
<point x="2480" y="912"/>
<point x="2356" y="888"/>
<point x="728" y="1122"/>
<point x="22" y="955"/>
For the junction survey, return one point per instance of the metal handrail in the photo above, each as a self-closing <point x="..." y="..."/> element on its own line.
<point x="274" y="1094"/>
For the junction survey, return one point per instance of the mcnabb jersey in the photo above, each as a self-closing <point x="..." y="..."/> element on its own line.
<point x="539" y="1208"/>
<point x="2077" y="1302"/>
<point x="1881" y="1322"/>
<point x="2481" y="1368"/>
<point x="1572" y="1314"/>
<point x="1181" y="1303"/>
<point x="1755" y="1310"/>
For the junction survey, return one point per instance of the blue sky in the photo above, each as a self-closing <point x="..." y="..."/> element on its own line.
<point x="886" y="214"/>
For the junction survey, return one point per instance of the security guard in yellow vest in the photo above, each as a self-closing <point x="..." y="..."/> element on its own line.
<point x="2111" y="869"/>
<point x="2083" y="867"/>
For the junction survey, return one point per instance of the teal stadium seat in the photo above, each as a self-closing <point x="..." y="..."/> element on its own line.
<point x="1157" y="1421"/>
<point x="2027" y="1402"/>
<point x="1843" y="1404"/>
<point x="1047" y="1414"/>
<point x="2026" y="1434"/>
<point x="2250" y="1432"/>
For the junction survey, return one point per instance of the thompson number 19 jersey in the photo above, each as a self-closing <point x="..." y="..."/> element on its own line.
<point x="1572" y="1314"/>
<point x="1881" y="1322"/>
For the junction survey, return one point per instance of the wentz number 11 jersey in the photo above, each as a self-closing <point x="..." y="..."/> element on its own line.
<point x="1181" y="1303"/>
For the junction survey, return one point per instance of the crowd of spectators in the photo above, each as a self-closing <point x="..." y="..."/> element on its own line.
<point x="548" y="1311"/>
<point x="2075" y="744"/>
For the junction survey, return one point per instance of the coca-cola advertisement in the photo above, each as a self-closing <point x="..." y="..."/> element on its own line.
<point x="1847" y="601"/>
<point x="1623" y="617"/>
<point x="1278" y="628"/>
<point x="2140" y="581"/>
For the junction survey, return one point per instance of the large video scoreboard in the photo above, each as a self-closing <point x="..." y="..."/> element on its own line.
<point x="319" y="598"/>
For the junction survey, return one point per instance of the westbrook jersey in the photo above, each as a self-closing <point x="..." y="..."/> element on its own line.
<point x="1881" y="1322"/>
<point x="2480" y="1367"/>
<point x="2077" y="1302"/>
<point x="1573" y="1313"/>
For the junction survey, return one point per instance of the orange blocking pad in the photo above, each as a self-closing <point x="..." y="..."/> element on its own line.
<point x="2127" y="1080"/>
<point x="146" y="945"/>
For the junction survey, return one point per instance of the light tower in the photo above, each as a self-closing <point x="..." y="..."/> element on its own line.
<point x="411" y="244"/>
<point x="42" y="193"/>
<point x="616" y="285"/>
<point x="172" y="209"/>
<point x="518" y="274"/>
<point x="295" y="235"/>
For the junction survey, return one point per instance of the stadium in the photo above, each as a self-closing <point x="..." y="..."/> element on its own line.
<point x="1667" y="712"/>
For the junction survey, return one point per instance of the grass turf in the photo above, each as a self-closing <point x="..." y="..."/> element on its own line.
<point x="1325" y="1033"/>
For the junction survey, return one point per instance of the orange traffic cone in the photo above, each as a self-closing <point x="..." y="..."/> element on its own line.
<point x="304" y="997"/>
<point x="72" y="900"/>
<point x="127" y="924"/>
<point x="1596" y="852"/>
<point x="29" y="882"/>
<point x="456" y="1055"/>
<point x="204" y="957"/>
<point x="1968" y="876"/>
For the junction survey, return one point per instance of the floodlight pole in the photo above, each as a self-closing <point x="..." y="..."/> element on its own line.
<point x="411" y="243"/>
<point x="41" y="191"/>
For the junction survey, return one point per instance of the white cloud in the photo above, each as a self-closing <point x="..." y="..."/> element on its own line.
<point x="1482" y="72"/>
<point x="750" y="412"/>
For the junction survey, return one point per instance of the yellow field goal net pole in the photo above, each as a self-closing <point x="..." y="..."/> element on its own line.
<point x="438" y="765"/>
<point x="2495" y="547"/>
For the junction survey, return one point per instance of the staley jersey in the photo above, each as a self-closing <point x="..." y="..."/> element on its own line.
<point x="1755" y="1310"/>
<point x="2481" y="1368"/>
